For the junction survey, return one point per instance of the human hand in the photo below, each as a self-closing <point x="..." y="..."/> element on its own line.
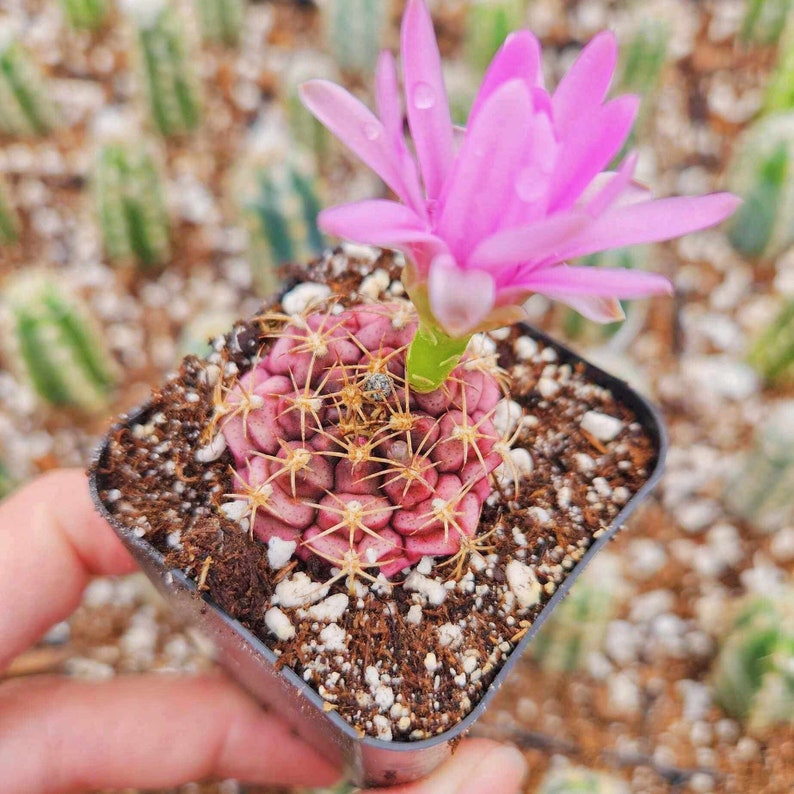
<point x="146" y="731"/>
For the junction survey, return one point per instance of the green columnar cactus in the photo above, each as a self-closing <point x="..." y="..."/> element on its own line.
<point x="25" y="104"/>
<point x="50" y="340"/>
<point x="86" y="14"/>
<point x="578" y="626"/>
<point x="9" y="222"/>
<point x="760" y="173"/>
<point x="765" y="20"/>
<point x="282" y="221"/>
<point x="130" y="205"/>
<point x="753" y="675"/>
<point x="779" y="96"/>
<point x="762" y="492"/>
<point x="354" y="31"/>
<point x="772" y="355"/>
<point x="167" y="65"/>
<point x="487" y="24"/>
<point x="579" y="780"/>
<point x="221" y="21"/>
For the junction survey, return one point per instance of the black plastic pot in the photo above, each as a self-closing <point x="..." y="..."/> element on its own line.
<point x="370" y="761"/>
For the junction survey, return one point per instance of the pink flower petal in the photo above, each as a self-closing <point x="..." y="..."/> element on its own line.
<point x="589" y="148"/>
<point x="482" y="182"/>
<point x="586" y="83"/>
<point x="594" y="307"/>
<point x="614" y="187"/>
<point x="357" y="127"/>
<point x="517" y="59"/>
<point x="426" y="98"/>
<point x="649" y="222"/>
<point x="609" y="282"/>
<point x="459" y="299"/>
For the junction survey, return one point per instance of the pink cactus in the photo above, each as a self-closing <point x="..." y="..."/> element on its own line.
<point x="334" y="452"/>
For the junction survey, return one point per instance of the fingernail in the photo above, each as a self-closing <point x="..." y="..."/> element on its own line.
<point x="502" y="771"/>
<point x="510" y="757"/>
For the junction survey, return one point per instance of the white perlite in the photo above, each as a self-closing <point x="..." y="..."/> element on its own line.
<point x="279" y="624"/>
<point x="523" y="583"/>
<point x="297" y="300"/>
<point x="449" y="635"/>
<point x="333" y="637"/>
<point x="602" y="426"/>
<point x="414" y="615"/>
<point x="213" y="450"/>
<point x="433" y="590"/>
<point x="382" y="727"/>
<point x="330" y="610"/>
<point x="299" y="590"/>
<point x="279" y="552"/>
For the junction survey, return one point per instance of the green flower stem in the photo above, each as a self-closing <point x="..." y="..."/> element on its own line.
<point x="432" y="355"/>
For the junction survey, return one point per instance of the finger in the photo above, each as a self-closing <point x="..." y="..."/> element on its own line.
<point x="51" y="541"/>
<point x="479" y="766"/>
<point x="58" y="735"/>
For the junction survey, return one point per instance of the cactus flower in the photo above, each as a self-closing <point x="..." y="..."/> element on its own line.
<point x="489" y="215"/>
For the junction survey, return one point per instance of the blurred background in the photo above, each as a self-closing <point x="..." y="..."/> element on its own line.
<point x="156" y="169"/>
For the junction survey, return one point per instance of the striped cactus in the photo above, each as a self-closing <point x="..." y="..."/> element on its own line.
<point x="167" y="67"/>
<point x="51" y="342"/>
<point x="578" y="626"/>
<point x="354" y="31"/>
<point x="221" y="21"/>
<point x="129" y="199"/>
<point x="487" y="24"/>
<point x="761" y="174"/>
<point x="25" y="104"/>
<point x="579" y="780"/>
<point x="765" y="21"/>
<point x="762" y="492"/>
<point x="753" y="675"/>
<point x="772" y="355"/>
<point x="86" y="14"/>
<point x="9" y="221"/>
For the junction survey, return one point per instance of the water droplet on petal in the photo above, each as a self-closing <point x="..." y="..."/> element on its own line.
<point x="424" y="97"/>
<point x="529" y="185"/>
<point x="371" y="131"/>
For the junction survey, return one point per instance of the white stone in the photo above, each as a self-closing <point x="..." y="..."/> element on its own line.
<point x="279" y="624"/>
<point x="431" y="663"/>
<point x="449" y="635"/>
<point x="647" y="606"/>
<point x="333" y="637"/>
<point x="279" y="552"/>
<point x="523" y="583"/>
<point x="382" y="727"/>
<point x="602" y="426"/>
<point x="375" y="283"/>
<point x="433" y="590"/>
<point x="212" y="451"/>
<point x="525" y="348"/>
<point x="506" y="416"/>
<point x="300" y="298"/>
<point x="330" y="610"/>
<point x="299" y="590"/>
<point x="414" y="615"/>
<point x="548" y="388"/>
<point x="425" y="565"/>
<point x="384" y="697"/>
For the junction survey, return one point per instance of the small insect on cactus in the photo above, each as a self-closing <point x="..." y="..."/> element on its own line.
<point x="761" y="491"/>
<point x="25" y="104"/>
<point x="354" y="32"/>
<point x="580" y="780"/>
<point x="760" y="172"/>
<point x="753" y="675"/>
<point x="51" y="341"/>
<point x="130" y="204"/>
<point x="221" y="21"/>
<point x="166" y="66"/>
<point x="488" y="23"/>
<point x="9" y="221"/>
<point x="86" y="14"/>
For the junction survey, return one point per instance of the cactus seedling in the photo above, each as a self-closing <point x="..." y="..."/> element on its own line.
<point x="86" y="14"/>
<point x="221" y="21"/>
<point x="130" y="204"/>
<point x="25" y="104"/>
<point x="166" y="65"/>
<point x="488" y="22"/>
<point x="51" y="341"/>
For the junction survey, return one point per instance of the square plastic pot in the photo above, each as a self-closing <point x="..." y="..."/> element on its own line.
<point x="370" y="761"/>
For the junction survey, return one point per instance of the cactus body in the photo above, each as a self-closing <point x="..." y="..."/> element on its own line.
<point x="753" y="676"/>
<point x="578" y="626"/>
<point x="760" y="173"/>
<point x="9" y="222"/>
<point x="579" y="780"/>
<point x="6" y="482"/>
<point x="762" y="493"/>
<point x="354" y="31"/>
<point x="282" y="217"/>
<point x="772" y="355"/>
<point x="51" y="341"/>
<point x="331" y="454"/>
<point x="130" y="204"/>
<point x="25" y="105"/>
<point x="488" y="22"/>
<point x="765" y="20"/>
<point x="86" y="14"/>
<point x="221" y="21"/>
<point x="167" y="69"/>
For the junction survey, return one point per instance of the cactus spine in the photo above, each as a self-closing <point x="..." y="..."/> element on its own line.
<point x="25" y="105"/>
<point x="488" y="23"/>
<point x="167" y="69"/>
<point x="753" y="676"/>
<point x="51" y="341"/>
<point x="9" y="222"/>
<point x="221" y="21"/>
<point x="354" y="31"/>
<point x="86" y="14"/>
<point x="130" y="204"/>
